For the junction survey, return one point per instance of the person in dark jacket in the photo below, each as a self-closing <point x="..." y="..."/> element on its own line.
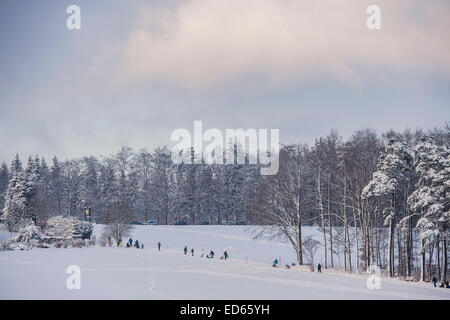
<point x="319" y="268"/>
<point x="447" y="285"/>
<point x="434" y="279"/>
<point x="192" y="251"/>
<point x="136" y="244"/>
<point x="159" y="246"/>
<point x="185" y="250"/>
<point x="142" y="246"/>
<point x="225" y="255"/>
<point x="130" y="242"/>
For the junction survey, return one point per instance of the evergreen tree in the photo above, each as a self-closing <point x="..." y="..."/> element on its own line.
<point x="430" y="200"/>
<point x="15" y="214"/>
<point x="4" y="180"/>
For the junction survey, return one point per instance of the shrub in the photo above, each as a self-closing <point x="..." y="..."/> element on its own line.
<point x="68" y="228"/>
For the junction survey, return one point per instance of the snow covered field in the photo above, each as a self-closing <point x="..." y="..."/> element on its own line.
<point x="129" y="273"/>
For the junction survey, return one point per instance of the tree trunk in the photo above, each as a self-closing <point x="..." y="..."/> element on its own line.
<point x="322" y="217"/>
<point x="355" y="221"/>
<point x="423" y="278"/>
<point x="444" y="255"/>
<point x="399" y="253"/>
<point x="330" y="224"/>
<point x="408" y="248"/>
<point x="391" y="249"/>
<point x="299" y="219"/>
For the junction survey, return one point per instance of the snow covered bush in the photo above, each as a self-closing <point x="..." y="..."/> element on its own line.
<point x="68" y="228"/>
<point x="25" y="235"/>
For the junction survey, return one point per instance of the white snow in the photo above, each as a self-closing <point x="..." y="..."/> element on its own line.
<point x="129" y="273"/>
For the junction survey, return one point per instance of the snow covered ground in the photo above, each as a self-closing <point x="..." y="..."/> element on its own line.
<point x="129" y="273"/>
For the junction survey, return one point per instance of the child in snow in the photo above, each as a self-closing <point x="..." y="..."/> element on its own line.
<point x="185" y="249"/>
<point x="225" y="255"/>
<point x="275" y="263"/>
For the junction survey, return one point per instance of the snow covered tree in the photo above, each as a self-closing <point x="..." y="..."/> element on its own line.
<point x="15" y="214"/>
<point x="158" y="188"/>
<point x="4" y="180"/>
<point x="89" y="189"/>
<point x="56" y="188"/>
<point x="72" y="184"/>
<point x="430" y="200"/>
<point x="143" y="166"/>
<point x="32" y="180"/>
<point x="43" y="200"/>
<point x="386" y="187"/>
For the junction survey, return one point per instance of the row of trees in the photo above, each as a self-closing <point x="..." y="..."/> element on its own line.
<point x="149" y="184"/>
<point x="377" y="200"/>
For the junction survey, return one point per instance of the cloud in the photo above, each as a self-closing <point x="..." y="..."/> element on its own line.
<point x="202" y="43"/>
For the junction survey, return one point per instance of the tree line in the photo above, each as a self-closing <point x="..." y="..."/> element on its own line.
<point x="377" y="199"/>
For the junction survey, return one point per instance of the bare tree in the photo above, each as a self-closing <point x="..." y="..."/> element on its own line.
<point x="283" y="198"/>
<point x="310" y="247"/>
<point x="117" y="219"/>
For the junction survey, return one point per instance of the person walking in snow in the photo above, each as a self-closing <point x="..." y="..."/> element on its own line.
<point x="130" y="242"/>
<point x="136" y="244"/>
<point x="185" y="250"/>
<point x="159" y="246"/>
<point x="203" y="252"/>
<point x="142" y="246"/>
<point x="225" y="255"/>
<point x="192" y="251"/>
<point x="319" y="268"/>
<point x="434" y="281"/>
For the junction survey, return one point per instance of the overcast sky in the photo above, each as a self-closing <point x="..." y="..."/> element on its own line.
<point x="137" y="70"/>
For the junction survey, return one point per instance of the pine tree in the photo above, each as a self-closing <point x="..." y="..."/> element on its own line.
<point x="430" y="200"/>
<point x="393" y="169"/>
<point x="15" y="214"/>
<point x="56" y="188"/>
<point x="4" y="180"/>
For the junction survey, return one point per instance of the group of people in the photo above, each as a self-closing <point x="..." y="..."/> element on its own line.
<point x="136" y="244"/>
<point x="210" y="255"/>
<point x="442" y="285"/>
<point x="275" y="265"/>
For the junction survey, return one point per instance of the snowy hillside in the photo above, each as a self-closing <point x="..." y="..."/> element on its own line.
<point x="129" y="273"/>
